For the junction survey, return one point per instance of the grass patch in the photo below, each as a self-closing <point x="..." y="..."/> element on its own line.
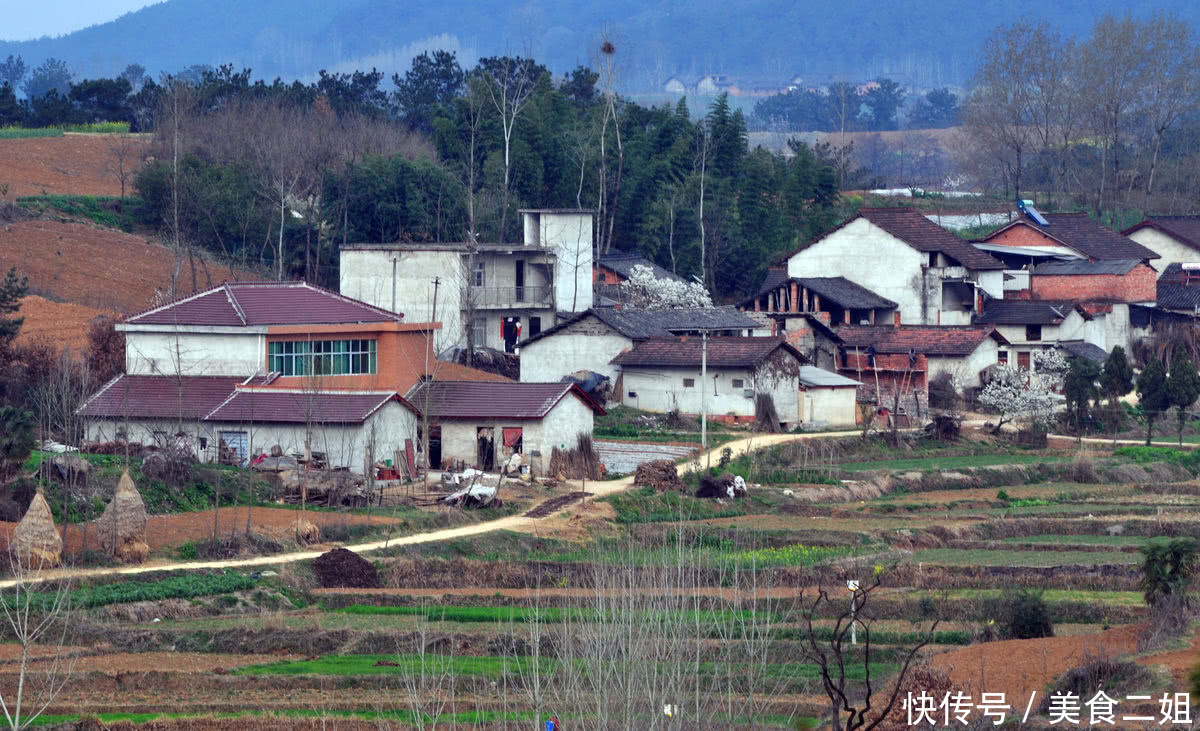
<point x="107" y="211"/>
<point x="1000" y="557"/>
<point x="124" y="592"/>
<point x="1115" y="598"/>
<point x="949" y="463"/>
<point x="1073" y="540"/>
<point x="647" y="505"/>
<point x="553" y="615"/>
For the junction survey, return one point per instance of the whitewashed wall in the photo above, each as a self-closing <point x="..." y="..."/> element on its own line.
<point x="968" y="368"/>
<point x="194" y="354"/>
<point x="1169" y="249"/>
<point x="366" y="274"/>
<point x="567" y="419"/>
<point x="585" y="345"/>
<point x="827" y="406"/>
<point x="661" y="390"/>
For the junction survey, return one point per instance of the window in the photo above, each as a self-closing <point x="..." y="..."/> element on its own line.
<point x="479" y="331"/>
<point x="738" y="383"/>
<point x="479" y="278"/>
<point x="689" y="383"/>
<point x="1002" y="358"/>
<point x="1033" y="332"/>
<point x="323" y="357"/>
<point x="535" y="326"/>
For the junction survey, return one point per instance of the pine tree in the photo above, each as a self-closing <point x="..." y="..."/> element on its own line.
<point x="1183" y="388"/>
<point x="1152" y="394"/>
<point x="1116" y="381"/>
<point x="12" y="289"/>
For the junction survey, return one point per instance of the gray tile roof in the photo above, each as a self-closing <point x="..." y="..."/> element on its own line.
<point x="1088" y="351"/>
<point x="638" y="324"/>
<point x="721" y="352"/>
<point x="1084" y="267"/>
<point x="1023" y="312"/>
<point x="623" y="263"/>
<point x="838" y="290"/>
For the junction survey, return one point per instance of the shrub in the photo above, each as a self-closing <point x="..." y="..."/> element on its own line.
<point x="1096" y="672"/>
<point x="1167" y="567"/>
<point x="1026" y="616"/>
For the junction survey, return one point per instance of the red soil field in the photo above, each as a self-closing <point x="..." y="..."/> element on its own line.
<point x="98" y="267"/>
<point x="80" y="164"/>
<point x="63" y="323"/>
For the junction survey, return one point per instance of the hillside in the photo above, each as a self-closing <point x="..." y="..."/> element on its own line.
<point x="96" y="267"/>
<point x="74" y="164"/>
<point x="921" y="42"/>
<point x="63" y="323"/>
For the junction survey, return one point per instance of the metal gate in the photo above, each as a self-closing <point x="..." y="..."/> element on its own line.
<point x="237" y="442"/>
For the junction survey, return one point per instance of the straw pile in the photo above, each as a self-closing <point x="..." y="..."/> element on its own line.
<point x="123" y="525"/>
<point x="661" y="474"/>
<point x="35" y="541"/>
<point x="306" y="532"/>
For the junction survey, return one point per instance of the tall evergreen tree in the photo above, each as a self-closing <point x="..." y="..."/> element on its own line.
<point x="1152" y="394"/>
<point x="1183" y="388"/>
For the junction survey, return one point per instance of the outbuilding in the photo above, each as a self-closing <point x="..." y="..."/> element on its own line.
<point x="482" y="424"/>
<point x="828" y="398"/>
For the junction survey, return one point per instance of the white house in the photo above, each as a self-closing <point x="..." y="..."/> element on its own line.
<point x="1176" y="239"/>
<point x="510" y="292"/>
<point x="483" y="424"/>
<point x="590" y="340"/>
<point x="827" y="398"/>
<point x="932" y="276"/>
<point x="663" y="374"/>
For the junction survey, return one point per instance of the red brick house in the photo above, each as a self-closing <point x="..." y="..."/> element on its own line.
<point x="1071" y="234"/>
<point x="1113" y="280"/>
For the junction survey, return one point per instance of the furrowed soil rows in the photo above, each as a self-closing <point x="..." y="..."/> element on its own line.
<point x="74" y="164"/>
<point x="63" y="324"/>
<point x="555" y="504"/>
<point x="99" y="267"/>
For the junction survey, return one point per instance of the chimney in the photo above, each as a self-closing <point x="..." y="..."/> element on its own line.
<point x="896" y="318"/>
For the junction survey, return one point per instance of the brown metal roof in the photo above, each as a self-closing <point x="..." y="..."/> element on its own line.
<point x="159" y="397"/>
<point x="1084" y="234"/>
<point x="723" y="352"/>
<point x="299" y="407"/>
<point x="482" y="400"/>
<point x="944" y="340"/>
<point x="240" y="304"/>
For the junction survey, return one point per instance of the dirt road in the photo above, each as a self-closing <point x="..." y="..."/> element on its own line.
<point x="513" y="523"/>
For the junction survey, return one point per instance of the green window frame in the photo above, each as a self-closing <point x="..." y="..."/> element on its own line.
<point x="323" y="357"/>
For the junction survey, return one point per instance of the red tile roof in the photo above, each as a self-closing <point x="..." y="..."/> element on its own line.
<point x="913" y="228"/>
<point x="951" y="341"/>
<point x="473" y="400"/>
<point x="298" y="407"/>
<point x="1184" y="228"/>
<point x="1084" y="234"/>
<point x="723" y="352"/>
<point x="238" y="304"/>
<point x="159" y="397"/>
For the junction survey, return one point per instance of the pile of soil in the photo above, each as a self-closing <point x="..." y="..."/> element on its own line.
<point x="342" y="568"/>
<point x="659" y="474"/>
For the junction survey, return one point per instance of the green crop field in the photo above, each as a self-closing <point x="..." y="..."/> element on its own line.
<point x="987" y="557"/>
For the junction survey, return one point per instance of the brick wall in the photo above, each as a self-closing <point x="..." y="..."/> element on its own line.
<point x="1136" y="286"/>
<point x="1022" y="235"/>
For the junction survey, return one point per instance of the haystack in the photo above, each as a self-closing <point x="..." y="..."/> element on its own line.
<point x="123" y="525"/>
<point x="661" y="474"/>
<point x="306" y="532"/>
<point x="35" y="540"/>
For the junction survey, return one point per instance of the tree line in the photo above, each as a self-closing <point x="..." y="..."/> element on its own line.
<point x="845" y="107"/>
<point x="281" y="175"/>
<point x="1109" y="122"/>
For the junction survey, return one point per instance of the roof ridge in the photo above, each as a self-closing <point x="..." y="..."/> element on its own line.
<point x="237" y="308"/>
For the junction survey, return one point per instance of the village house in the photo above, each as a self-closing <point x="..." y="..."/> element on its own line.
<point x="249" y="365"/>
<point x="663" y="374"/>
<point x="891" y="360"/>
<point x="1176" y="239"/>
<point x="481" y="425"/>
<point x="616" y="266"/>
<point x="590" y="340"/>
<point x="509" y="292"/>
<point x="1071" y="235"/>
<point x="1080" y="280"/>
<point x="1029" y="326"/>
<point x="1178" y="289"/>
<point x="928" y="274"/>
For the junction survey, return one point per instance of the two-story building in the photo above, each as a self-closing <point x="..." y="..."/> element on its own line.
<point x="926" y="273"/>
<point x="502" y="292"/>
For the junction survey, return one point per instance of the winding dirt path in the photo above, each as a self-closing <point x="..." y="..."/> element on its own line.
<point x="513" y="523"/>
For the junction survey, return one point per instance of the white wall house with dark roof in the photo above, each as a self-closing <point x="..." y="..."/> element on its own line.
<point x="1176" y="239"/>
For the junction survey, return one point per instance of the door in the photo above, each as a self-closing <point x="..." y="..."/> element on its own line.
<point x="486" y="452"/>
<point x="234" y="447"/>
<point x="1023" y="360"/>
<point x="435" y="446"/>
<point x="520" y="280"/>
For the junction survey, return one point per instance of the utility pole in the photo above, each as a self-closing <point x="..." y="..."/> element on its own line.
<point x="704" y="390"/>
<point x="394" y="259"/>
<point x="436" y="282"/>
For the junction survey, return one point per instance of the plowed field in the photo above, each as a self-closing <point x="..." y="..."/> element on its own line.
<point x="63" y="323"/>
<point x="68" y="165"/>
<point x="98" y="267"/>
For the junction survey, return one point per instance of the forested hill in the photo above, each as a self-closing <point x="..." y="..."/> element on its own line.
<point x="920" y="42"/>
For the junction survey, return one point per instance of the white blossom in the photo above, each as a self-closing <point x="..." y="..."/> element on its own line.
<point x="1052" y="366"/>
<point x="646" y="291"/>
<point x="1017" y="393"/>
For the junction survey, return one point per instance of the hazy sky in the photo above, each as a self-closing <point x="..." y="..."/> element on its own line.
<point x="25" y="20"/>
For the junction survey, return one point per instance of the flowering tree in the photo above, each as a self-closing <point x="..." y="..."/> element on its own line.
<point x="1051" y="366"/>
<point x="645" y="290"/>
<point x="1016" y="393"/>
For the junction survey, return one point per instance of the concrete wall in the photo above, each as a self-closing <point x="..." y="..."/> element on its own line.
<point x="343" y="445"/>
<point x="779" y="376"/>
<point x="367" y="275"/>
<point x="967" y="368"/>
<point x="871" y="257"/>
<point x="827" y="406"/>
<point x="1138" y="286"/>
<point x="569" y="235"/>
<point x="992" y="282"/>
<point x="559" y="428"/>
<point x="1169" y="249"/>
<point x="194" y="354"/>
<point x="661" y="390"/>
<point x="585" y="345"/>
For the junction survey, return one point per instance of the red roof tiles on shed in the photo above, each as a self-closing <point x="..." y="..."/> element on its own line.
<point x="298" y="407"/>
<point x="239" y="304"/>
<point x="476" y="400"/>
<point x="946" y="340"/>
<point x="159" y="397"/>
<point x="722" y="352"/>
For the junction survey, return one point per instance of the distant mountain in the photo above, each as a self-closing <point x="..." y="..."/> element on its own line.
<point x="922" y="43"/>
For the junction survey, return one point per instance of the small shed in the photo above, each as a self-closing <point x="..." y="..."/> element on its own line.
<point x="482" y="424"/>
<point x="829" y="399"/>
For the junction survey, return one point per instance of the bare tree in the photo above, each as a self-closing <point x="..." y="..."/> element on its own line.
<point x="40" y="623"/>
<point x="281" y="134"/>
<point x="126" y="150"/>
<point x="1172" y="85"/>
<point x="510" y="82"/>
<point x="607" y="206"/>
